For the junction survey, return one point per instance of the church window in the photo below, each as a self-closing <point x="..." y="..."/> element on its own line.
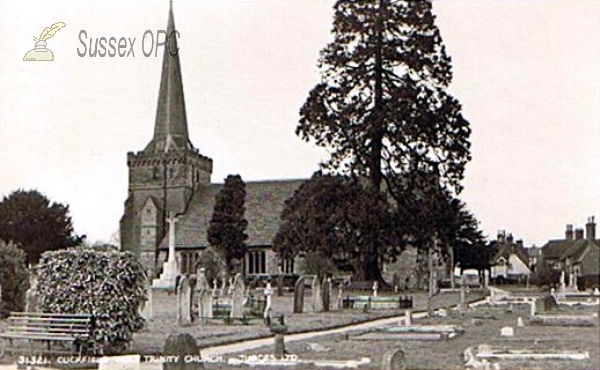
<point x="287" y="266"/>
<point x="256" y="262"/>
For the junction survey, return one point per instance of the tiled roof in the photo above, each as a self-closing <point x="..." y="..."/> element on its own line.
<point x="554" y="249"/>
<point x="264" y="202"/>
<point x="507" y="249"/>
<point x="577" y="250"/>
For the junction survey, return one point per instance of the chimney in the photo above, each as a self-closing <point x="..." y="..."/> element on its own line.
<point x="590" y="229"/>
<point x="578" y="234"/>
<point x="569" y="232"/>
<point x="501" y="236"/>
<point x="509" y="239"/>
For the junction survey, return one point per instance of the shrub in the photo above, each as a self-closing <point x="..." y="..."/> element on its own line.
<point x="14" y="278"/>
<point x="108" y="284"/>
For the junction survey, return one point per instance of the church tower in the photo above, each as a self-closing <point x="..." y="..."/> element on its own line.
<point x="164" y="176"/>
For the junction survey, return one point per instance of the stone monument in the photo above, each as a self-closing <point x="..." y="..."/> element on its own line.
<point x="184" y="302"/>
<point x="170" y="271"/>
<point x="237" y="300"/>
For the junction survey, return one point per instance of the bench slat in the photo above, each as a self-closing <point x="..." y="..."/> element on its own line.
<point x="49" y="319"/>
<point x="46" y="330"/>
<point x="47" y="314"/>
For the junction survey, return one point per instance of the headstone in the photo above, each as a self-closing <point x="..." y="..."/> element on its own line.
<point x="237" y="301"/>
<point x="407" y="317"/>
<point x="126" y="362"/>
<point x="507" y="331"/>
<point x="268" y="306"/>
<point x="520" y="323"/>
<point x="550" y="303"/>
<point x="181" y="345"/>
<point x="317" y="298"/>
<point x="31" y="296"/>
<point x="562" y="281"/>
<point x="184" y="302"/>
<point x="299" y="295"/>
<point x="375" y="288"/>
<point x="280" y="285"/>
<point x="215" y="291"/>
<point x="532" y="309"/>
<point x="204" y="295"/>
<point x="340" y="296"/>
<point x="230" y="287"/>
<point x="393" y="360"/>
<point x="147" y="309"/>
<point x="326" y="290"/>
<point x="486" y="278"/>
<point x="596" y="291"/>
<point x="223" y="287"/>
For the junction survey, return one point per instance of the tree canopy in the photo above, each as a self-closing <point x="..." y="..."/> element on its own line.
<point x="331" y="216"/>
<point x="383" y="112"/>
<point x="382" y="106"/>
<point x="227" y="229"/>
<point x="35" y="224"/>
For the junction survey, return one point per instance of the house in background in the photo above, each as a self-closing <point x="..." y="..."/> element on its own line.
<point x="577" y="255"/>
<point x="511" y="261"/>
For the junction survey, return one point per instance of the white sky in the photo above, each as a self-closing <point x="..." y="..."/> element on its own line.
<point x="526" y="72"/>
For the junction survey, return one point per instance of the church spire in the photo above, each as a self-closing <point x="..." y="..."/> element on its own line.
<point x="170" y="127"/>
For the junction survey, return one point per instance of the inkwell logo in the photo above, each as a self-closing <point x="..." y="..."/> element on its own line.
<point x="40" y="52"/>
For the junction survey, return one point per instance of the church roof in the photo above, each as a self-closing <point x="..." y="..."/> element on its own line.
<point x="170" y="127"/>
<point x="264" y="202"/>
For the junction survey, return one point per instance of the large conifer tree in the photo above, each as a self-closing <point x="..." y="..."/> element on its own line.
<point x="382" y="108"/>
<point x="227" y="230"/>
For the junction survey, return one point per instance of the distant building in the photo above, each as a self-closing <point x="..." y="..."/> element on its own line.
<point x="511" y="262"/>
<point x="577" y="255"/>
<point x="170" y="177"/>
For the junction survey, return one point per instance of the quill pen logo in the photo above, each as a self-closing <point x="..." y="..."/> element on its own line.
<point x="40" y="52"/>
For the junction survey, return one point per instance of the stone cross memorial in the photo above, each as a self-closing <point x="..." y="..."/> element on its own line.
<point x="268" y="295"/>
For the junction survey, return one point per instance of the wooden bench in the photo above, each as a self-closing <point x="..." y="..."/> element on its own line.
<point x="381" y="303"/>
<point x="76" y="331"/>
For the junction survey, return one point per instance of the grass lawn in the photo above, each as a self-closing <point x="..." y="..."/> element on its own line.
<point x="481" y="326"/>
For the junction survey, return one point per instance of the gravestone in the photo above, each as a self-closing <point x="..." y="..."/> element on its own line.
<point x="520" y="323"/>
<point x="550" y="303"/>
<point x="317" y="298"/>
<point x="181" y="345"/>
<point x="340" y="296"/>
<point x="268" y="306"/>
<point x="237" y="302"/>
<point x="486" y="278"/>
<point x="326" y="290"/>
<point x="31" y="296"/>
<point x="215" y="291"/>
<point x="223" y="290"/>
<point x="375" y="288"/>
<point x="184" y="302"/>
<point x="147" y="309"/>
<point x="507" y="331"/>
<point x="230" y="288"/>
<point x="204" y="295"/>
<point x="299" y="295"/>
<point x="393" y="360"/>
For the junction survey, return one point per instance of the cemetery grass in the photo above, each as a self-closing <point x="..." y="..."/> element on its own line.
<point x="215" y="332"/>
<point x="480" y="326"/>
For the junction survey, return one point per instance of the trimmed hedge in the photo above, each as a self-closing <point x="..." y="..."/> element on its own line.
<point x="108" y="284"/>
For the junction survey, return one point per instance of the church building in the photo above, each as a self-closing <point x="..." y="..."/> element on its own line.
<point x="170" y="177"/>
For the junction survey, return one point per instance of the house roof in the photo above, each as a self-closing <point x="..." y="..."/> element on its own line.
<point x="554" y="249"/>
<point x="264" y="202"/>
<point x="577" y="250"/>
<point x="507" y="249"/>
